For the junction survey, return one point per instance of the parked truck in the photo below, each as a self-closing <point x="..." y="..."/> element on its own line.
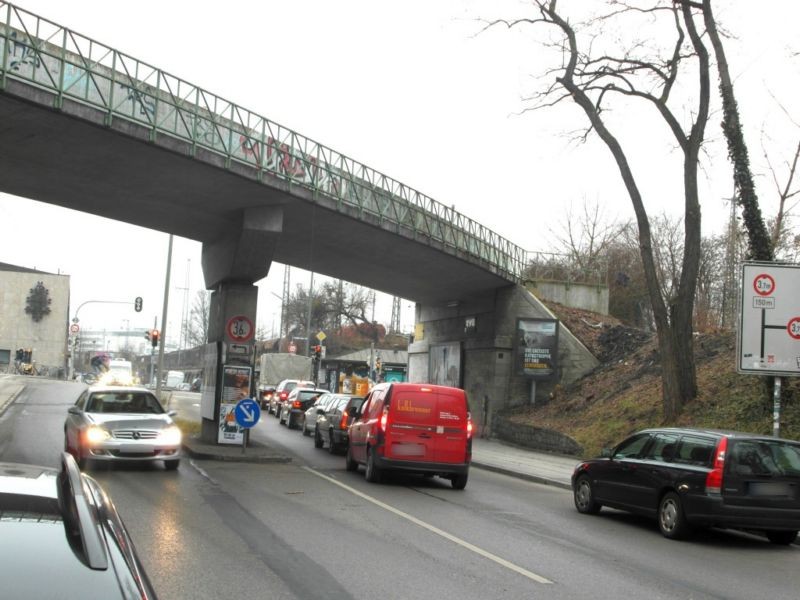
<point x="274" y="368"/>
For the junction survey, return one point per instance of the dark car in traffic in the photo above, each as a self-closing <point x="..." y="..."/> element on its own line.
<point x="296" y="404"/>
<point x="694" y="478"/>
<point x="333" y="421"/>
<point x="61" y="537"/>
<point x="282" y="392"/>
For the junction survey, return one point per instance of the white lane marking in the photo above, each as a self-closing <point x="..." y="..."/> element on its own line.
<point x="464" y="544"/>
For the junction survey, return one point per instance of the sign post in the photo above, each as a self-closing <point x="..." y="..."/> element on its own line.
<point x="247" y="413"/>
<point x="768" y="340"/>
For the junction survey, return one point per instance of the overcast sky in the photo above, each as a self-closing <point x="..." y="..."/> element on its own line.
<point x="410" y="89"/>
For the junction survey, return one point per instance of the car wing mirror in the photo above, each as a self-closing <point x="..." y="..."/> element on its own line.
<point x="172" y="413"/>
<point x="74" y="410"/>
<point x="606" y="453"/>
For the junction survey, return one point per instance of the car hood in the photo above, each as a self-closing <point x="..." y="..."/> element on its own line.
<point x="126" y="421"/>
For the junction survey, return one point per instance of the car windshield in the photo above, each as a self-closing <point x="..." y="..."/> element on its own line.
<point x="124" y="402"/>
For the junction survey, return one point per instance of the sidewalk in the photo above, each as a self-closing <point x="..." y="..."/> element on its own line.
<point x="493" y="455"/>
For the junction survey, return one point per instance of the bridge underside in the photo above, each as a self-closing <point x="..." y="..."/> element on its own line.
<point x="70" y="158"/>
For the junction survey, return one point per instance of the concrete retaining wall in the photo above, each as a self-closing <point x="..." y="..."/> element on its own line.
<point x="535" y="438"/>
<point x="575" y="295"/>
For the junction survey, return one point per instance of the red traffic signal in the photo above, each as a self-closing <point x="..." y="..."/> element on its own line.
<point x="155" y="334"/>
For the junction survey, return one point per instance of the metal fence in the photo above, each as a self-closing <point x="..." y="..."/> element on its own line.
<point x="82" y="70"/>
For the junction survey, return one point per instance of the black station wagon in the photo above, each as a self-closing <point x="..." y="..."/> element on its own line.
<point x="689" y="478"/>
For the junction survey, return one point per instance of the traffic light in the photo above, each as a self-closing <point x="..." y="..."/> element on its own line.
<point x="154" y="335"/>
<point x="317" y="351"/>
<point x="137" y="304"/>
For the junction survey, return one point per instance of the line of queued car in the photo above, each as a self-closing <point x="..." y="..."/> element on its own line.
<point x="410" y="427"/>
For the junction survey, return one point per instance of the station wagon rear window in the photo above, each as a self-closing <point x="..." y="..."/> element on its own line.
<point x="765" y="458"/>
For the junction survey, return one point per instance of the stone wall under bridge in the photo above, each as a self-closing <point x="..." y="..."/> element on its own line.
<point x="482" y="329"/>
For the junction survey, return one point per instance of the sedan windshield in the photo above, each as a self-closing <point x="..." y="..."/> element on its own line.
<point x="124" y="402"/>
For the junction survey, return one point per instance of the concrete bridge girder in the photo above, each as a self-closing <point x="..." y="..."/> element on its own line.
<point x="244" y="254"/>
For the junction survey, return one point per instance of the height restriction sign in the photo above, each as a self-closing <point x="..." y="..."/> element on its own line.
<point x="240" y="328"/>
<point x="768" y="341"/>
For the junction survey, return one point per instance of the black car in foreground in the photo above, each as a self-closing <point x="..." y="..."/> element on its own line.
<point x="689" y="478"/>
<point x="61" y="537"/>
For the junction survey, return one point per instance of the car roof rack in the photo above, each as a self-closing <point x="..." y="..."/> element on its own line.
<point x="79" y="516"/>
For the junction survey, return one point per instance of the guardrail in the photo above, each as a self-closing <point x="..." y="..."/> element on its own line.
<point x="83" y="70"/>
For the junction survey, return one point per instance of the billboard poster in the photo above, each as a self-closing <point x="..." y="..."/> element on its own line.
<point x="209" y="374"/>
<point x="235" y="386"/>
<point x="445" y="364"/>
<point x="537" y="348"/>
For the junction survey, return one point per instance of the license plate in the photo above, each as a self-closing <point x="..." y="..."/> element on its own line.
<point x="136" y="449"/>
<point x="763" y="488"/>
<point x="408" y="449"/>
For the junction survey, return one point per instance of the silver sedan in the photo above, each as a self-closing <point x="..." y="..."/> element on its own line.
<point x="116" y="423"/>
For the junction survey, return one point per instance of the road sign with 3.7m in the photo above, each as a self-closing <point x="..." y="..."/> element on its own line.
<point x="768" y="341"/>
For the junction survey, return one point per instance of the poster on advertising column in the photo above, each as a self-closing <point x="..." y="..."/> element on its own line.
<point x="537" y="348"/>
<point x="235" y="387"/>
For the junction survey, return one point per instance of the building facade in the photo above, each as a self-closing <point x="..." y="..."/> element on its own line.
<point x="34" y="316"/>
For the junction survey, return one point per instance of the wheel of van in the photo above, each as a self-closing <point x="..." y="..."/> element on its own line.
<point x="332" y="448"/>
<point x="349" y="463"/>
<point x="318" y="441"/>
<point x="306" y="432"/>
<point x="671" y="519"/>
<point x="583" y="495"/>
<point x="783" y="538"/>
<point x="373" y="472"/>
<point x="289" y="421"/>
<point x="280" y="418"/>
<point x="459" y="481"/>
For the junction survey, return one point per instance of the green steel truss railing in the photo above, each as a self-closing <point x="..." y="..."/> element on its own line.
<point x="72" y="66"/>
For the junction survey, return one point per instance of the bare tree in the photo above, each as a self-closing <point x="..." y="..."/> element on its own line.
<point x="586" y="236"/>
<point x="760" y="245"/>
<point x="197" y="326"/>
<point x="592" y="81"/>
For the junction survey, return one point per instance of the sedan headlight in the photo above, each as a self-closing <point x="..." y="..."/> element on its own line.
<point x="170" y="436"/>
<point x="95" y="435"/>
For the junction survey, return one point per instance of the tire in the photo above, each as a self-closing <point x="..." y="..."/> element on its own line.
<point x="459" y="481"/>
<point x="332" y="447"/>
<point x="306" y="432"/>
<point x="671" y="520"/>
<point x="349" y="463"/>
<point x="583" y="495"/>
<point x="172" y="465"/>
<point x="289" y="421"/>
<point x="373" y="472"/>
<point x="782" y="538"/>
<point x="318" y="441"/>
<point x="280" y="418"/>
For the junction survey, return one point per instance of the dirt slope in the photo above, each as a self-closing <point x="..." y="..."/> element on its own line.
<point x="624" y="393"/>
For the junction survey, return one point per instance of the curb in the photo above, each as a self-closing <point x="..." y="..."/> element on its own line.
<point x="10" y="400"/>
<point x="518" y="475"/>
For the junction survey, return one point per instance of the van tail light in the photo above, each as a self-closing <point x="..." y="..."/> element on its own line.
<point x="714" y="477"/>
<point x="283" y="395"/>
<point x="297" y="404"/>
<point x="470" y="426"/>
<point x="385" y="419"/>
<point x="343" y="421"/>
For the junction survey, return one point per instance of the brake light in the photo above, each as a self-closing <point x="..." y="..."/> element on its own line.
<point x="385" y="419"/>
<point x="714" y="477"/>
<point x="296" y="404"/>
<point x="283" y="395"/>
<point x="343" y="421"/>
<point x="469" y="425"/>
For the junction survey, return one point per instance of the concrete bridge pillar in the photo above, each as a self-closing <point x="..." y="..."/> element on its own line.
<point x="231" y="266"/>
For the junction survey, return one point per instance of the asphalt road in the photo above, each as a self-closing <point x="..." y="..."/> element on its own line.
<point x="309" y="529"/>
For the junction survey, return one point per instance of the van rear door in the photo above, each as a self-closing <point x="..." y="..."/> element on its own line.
<point x="451" y="426"/>
<point x="410" y="429"/>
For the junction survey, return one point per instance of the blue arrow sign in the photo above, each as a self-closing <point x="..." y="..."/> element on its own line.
<point x="247" y="413"/>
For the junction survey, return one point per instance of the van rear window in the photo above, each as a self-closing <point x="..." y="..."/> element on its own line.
<point x="414" y="406"/>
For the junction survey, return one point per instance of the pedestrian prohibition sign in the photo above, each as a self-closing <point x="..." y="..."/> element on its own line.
<point x="247" y="412"/>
